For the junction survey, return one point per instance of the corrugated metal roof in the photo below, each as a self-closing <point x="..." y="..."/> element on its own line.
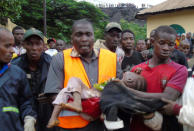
<point x="167" y="5"/>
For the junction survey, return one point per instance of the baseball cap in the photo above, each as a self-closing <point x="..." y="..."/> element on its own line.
<point x="51" y="39"/>
<point x="112" y="25"/>
<point x="31" y="32"/>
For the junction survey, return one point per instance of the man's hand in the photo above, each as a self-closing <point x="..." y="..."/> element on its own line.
<point x="29" y="123"/>
<point x="168" y="108"/>
<point x="42" y="98"/>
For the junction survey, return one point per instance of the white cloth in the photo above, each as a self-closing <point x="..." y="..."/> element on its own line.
<point x="186" y="115"/>
<point x="19" y="51"/>
<point x="51" y="52"/>
<point x="75" y="85"/>
<point x="156" y="122"/>
<point x="29" y="123"/>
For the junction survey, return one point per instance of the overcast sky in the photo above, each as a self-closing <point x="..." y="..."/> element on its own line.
<point x="136" y="2"/>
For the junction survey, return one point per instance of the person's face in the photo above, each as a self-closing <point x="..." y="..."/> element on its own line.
<point x="183" y="37"/>
<point x="185" y="48"/>
<point x="52" y="45"/>
<point x="188" y="35"/>
<point x="140" y="46"/>
<point x="164" y="45"/>
<point x="60" y="45"/>
<point x="6" y="47"/>
<point x="82" y="39"/>
<point x="34" y="46"/>
<point x="18" y="35"/>
<point x="127" y="41"/>
<point x="112" y="39"/>
<point x="148" y="44"/>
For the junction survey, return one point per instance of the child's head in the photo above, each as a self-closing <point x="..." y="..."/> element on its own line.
<point x="135" y="81"/>
<point x="184" y="47"/>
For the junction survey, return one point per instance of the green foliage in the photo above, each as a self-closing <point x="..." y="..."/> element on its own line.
<point x="139" y="31"/>
<point x="10" y="9"/>
<point x="60" y="17"/>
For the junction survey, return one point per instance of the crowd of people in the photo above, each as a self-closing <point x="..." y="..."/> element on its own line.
<point x="118" y="83"/>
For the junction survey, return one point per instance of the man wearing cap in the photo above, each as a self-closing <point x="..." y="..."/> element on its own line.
<point x="52" y="45"/>
<point x="36" y="63"/>
<point x="112" y="37"/>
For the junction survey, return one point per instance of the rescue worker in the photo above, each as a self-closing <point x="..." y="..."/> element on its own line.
<point x="16" y="97"/>
<point x="36" y="64"/>
<point x="82" y="61"/>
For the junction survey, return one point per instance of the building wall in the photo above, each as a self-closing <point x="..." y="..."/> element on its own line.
<point x="185" y="18"/>
<point x="9" y="25"/>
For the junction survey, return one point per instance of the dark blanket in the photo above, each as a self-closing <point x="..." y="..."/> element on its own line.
<point x="117" y="99"/>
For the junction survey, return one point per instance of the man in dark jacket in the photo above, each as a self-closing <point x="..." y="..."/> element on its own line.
<point x="36" y="64"/>
<point x="15" y="94"/>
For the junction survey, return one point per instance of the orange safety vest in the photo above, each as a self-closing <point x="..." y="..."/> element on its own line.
<point x="73" y="67"/>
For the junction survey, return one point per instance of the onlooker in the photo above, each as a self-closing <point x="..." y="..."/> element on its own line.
<point x="18" y="33"/>
<point x="188" y="38"/>
<point x="36" y="64"/>
<point x="183" y="36"/>
<point x="16" y="97"/>
<point x="52" y="47"/>
<point x="131" y="57"/>
<point x="60" y="45"/>
<point x="140" y="45"/>
<point x="112" y="37"/>
<point x="90" y="65"/>
<point x="178" y="39"/>
<point x="185" y="48"/>
<point x="165" y="78"/>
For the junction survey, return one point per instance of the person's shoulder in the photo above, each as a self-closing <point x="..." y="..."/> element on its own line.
<point x="47" y="58"/>
<point x="142" y="65"/>
<point x="19" y="59"/>
<point x="16" y="70"/>
<point x="178" y="67"/>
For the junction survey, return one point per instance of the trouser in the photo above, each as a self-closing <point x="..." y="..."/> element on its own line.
<point x="92" y="126"/>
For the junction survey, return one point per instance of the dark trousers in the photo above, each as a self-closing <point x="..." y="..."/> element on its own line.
<point x="92" y="126"/>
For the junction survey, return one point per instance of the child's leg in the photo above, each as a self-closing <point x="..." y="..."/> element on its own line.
<point x="53" y="120"/>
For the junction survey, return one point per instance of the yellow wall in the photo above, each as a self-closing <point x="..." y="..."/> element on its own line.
<point x="185" y="18"/>
<point x="9" y="25"/>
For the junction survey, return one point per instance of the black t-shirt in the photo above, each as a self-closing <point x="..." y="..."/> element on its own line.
<point x="178" y="57"/>
<point x="129" y="62"/>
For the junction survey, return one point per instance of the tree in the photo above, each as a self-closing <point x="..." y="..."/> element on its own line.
<point x="60" y="16"/>
<point x="139" y="31"/>
<point x="10" y="9"/>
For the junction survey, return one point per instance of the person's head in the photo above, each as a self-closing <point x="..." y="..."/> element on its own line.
<point x="18" y="33"/>
<point x="184" y="47"/>
<point x="52" y="43"/>
<point x="141" y="45"/>
<point x="148" y="44"/>
<point x="183" y="36"/>
<point x="134" y="80"/>
<point x="127" y="40"/>
<point x="82" y="37"/>
<point x="34" y="44"/>
<point x="60" y="45"/>
<point x="178" y="36"/>
<point x="163" y="41"/>
<point x="6" y="46"/>
<point x="188" y="35"/>
<point x="112" y="35"/>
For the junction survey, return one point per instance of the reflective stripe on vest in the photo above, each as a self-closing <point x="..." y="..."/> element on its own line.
<point x="73" y="67"/>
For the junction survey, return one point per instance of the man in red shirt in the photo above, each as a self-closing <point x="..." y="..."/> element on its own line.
<point x="165" y="78"/>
